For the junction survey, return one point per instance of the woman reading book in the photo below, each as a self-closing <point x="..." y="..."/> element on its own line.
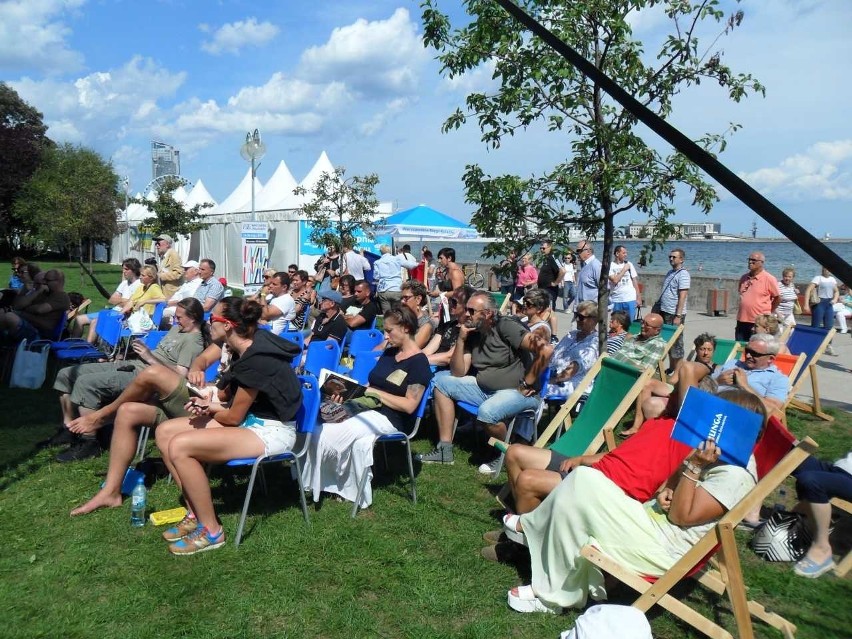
<point x="340" y="451"/>
<point x="649" y="538"/>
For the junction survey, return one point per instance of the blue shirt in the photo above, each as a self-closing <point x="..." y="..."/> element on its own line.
<point x="675" y="280"/>
<point x="767" y="382"/>
<point x="587" y="280"/>
<point x="211" y="288"/>
<point x="387" y="272"/>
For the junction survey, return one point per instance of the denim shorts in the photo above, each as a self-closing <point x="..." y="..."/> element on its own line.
<point x="495" y="407"/>
<point x="277" y="437"/>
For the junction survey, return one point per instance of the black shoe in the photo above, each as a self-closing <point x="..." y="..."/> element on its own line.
<point x="62" y="437"/>
<point x="86" y="448"/>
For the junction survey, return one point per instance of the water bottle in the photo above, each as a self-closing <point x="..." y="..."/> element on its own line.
<point x="138" y="502"/>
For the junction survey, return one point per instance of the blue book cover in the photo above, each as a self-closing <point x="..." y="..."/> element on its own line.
<point x="704" y="416"/>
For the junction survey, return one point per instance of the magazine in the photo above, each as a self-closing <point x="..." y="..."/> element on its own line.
<point x="705" y="416"/>
<point x="335" y="384"/>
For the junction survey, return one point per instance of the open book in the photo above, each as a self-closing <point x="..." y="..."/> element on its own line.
<point x="332" y="383"/>
<point x="704" y="416"/>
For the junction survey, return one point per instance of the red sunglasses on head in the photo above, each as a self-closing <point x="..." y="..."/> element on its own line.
<point x="221" y="320"/>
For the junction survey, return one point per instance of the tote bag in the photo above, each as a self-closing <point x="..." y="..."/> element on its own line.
<point x="30" y="366"/>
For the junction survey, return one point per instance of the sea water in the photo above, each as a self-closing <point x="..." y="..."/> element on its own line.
<point x="712" y="258"/>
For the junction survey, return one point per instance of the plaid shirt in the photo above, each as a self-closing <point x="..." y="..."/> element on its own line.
<point x="641" y="354"/>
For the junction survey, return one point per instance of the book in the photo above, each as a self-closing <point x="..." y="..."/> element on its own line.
<point x="332" y="383"/>
<point x="704" y="416"/>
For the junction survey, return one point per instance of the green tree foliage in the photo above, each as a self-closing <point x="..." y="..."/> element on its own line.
<point x="170" y="216"/>
<point x="339" y="207"/>
<point x="609" y="168"/>
<point x="72" y="198"/>
<point x="22" y="142"/>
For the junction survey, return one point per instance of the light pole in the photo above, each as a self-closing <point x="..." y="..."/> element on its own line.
<point x="125" y="182"/>
<point x="252" y="151"/>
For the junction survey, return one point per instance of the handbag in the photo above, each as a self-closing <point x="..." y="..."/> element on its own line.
<point x="814" y="298"/>
<point x="140" y="322"/>
<point x="30" y="366"/>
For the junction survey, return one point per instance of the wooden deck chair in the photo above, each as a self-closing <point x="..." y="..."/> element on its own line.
<point x="812" y="342"/>
<point x="844" y="564"/>
<point x="718" y="543"/>
<point x="502" y="300"/>
<point x="617" y="385"/>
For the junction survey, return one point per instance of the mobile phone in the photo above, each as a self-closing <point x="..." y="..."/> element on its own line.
<point x="195" y="391"/>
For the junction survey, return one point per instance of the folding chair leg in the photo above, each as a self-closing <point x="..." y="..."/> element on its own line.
<point x="362" y="483"/>
<point x="730" y="560"/>
<point x="249" y="490"/>
<point x="142" y="443"/>
<point x="411" y="471"/>
<point x="502" y="457"/>
<point x="302" y="499"/>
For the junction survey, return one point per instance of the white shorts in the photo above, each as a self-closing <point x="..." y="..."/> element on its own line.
<point x="277" y="437"/>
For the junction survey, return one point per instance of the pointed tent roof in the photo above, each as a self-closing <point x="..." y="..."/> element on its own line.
<point x="199" y="195"/>
<point x="424" y="221"/>
<point x="239" y="196"/>
<point x="278" y="190"/>
<point x="322" y="165"/>
<point x="180" y="194"/>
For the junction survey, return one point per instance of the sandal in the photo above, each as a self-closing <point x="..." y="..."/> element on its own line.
<point x="510" y="527"/>
<point x="523" y="599"/>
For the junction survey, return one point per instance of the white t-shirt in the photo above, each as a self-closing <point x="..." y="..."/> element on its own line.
<point x="126" y="290"/>
<point x="570" y="274"/>
<point x="287" y="306"/>
<point x="356" y="264"/>
<point x="624" y="291"/>
<point x="824" y="286"/>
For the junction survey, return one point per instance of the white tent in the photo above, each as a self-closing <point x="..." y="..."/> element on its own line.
<point x="277" y="191"/>
<point x="199" y="195"/>
<point x="239" y="197"/>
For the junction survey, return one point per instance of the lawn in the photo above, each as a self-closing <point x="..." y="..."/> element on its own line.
<point x="398" y="570"/>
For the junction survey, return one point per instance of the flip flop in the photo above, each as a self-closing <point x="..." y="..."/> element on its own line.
<point x="809" y="568"/>
<point x="510" y="528"/>
<point x="523" y="599"/>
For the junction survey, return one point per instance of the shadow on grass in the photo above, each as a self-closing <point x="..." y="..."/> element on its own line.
<point x="24" y="425"/>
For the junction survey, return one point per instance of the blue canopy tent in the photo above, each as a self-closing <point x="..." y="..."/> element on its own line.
<point x="426" y="223"/>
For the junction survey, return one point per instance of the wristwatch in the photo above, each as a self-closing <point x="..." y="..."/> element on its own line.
<point x="525" y="384"/>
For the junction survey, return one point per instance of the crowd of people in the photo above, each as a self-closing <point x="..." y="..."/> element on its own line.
<point x="645" y="503"/>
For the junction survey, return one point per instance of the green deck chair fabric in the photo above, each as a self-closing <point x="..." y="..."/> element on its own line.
<point x="666" y="332"/>
<point x="726" y="349"/>
<point x="614" y="391"/>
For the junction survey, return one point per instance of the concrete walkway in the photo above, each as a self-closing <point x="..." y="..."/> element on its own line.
<point x="833" y="372"/>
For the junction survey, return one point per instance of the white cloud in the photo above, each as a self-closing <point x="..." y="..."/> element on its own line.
<point x="823" y="171"/>
<point x="477" y="80"/>
<point x="231" y="37"/>
<point x="32" y="37"/>
<point x="380" y="119"/>
<point x="379" y="57"/>
<point x="101" y="103"/>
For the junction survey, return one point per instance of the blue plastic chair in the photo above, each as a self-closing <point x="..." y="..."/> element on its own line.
<point x="365" y="340"/>
<point x="212" y="372"/>
<point x="324" y="354"/>
<point x="811" y="341"/>
<point x="400" y="438"/>
<point x="365" y="361"/>
<point x="153" y="338"/>
<point x="306" y="419"/>
<point x="108" y="331"/>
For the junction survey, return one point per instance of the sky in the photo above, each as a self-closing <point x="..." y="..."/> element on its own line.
<point x="353" y="79"/>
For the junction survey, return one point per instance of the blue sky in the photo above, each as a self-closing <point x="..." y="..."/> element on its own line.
<point x="352" y="78"/>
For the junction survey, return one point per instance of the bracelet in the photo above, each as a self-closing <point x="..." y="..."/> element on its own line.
<point x="692" y="467"/>
<point x="692" y="479"/>
<point x="525" y="384"/>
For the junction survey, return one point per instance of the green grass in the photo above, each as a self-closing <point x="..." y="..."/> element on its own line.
<point x="398" y="570"/>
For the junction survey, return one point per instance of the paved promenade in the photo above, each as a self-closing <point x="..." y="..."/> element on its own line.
<point x="835" y="378"/>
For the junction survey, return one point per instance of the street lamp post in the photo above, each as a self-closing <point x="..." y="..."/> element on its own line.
<point x="252" y="151"/>
<point x="125" y="182"/>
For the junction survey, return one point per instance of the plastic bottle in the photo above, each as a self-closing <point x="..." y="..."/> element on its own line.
<point x="138" y="503"/>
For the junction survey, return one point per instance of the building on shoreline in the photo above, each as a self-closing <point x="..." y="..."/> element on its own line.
<point x="686" y="230"/>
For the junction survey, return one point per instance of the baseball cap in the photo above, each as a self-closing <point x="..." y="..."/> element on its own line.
<point x="167" y="238"/>
<point x="191" y="264"/>
<point x="334" y="296"/>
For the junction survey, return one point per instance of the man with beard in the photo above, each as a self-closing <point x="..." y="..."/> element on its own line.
<point x="496" y="365"/>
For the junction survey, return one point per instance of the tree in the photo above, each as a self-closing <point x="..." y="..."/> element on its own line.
<point x="339" y="207"/>
<point x="22" y="142"/>
<point x="170" y="216"/>
<point x="71" y="199"/>
<point x="611" y="169"/>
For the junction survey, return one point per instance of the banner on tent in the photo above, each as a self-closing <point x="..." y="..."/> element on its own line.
<point x="306" y="247"/>
<point x="430" y="232"/>
<point x="255" y="255"/>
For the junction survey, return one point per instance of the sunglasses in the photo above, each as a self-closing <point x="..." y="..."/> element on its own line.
<point x="472" y="311"/>
<point x="221" y="320"/>
<point x="581" y="316"/>
<point x="754" y="353"/>
<point x="751" y="260"/>
<point x="267" y="277"/>
<point x="405" y="298"/>
<point x="528" y="305"/>
<point x="673" y="257"/>
<point x="453" y="302"/>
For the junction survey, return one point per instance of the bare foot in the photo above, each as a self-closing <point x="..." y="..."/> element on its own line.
<point x="101" y="500"/>
<point x="85" y="424"/>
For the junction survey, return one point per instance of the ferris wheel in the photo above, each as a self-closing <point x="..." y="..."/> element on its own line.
<point x="157" y="183"/>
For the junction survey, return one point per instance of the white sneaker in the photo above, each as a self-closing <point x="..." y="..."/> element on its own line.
<point x="490" y="468"/>
<point x="829" y="350"/>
